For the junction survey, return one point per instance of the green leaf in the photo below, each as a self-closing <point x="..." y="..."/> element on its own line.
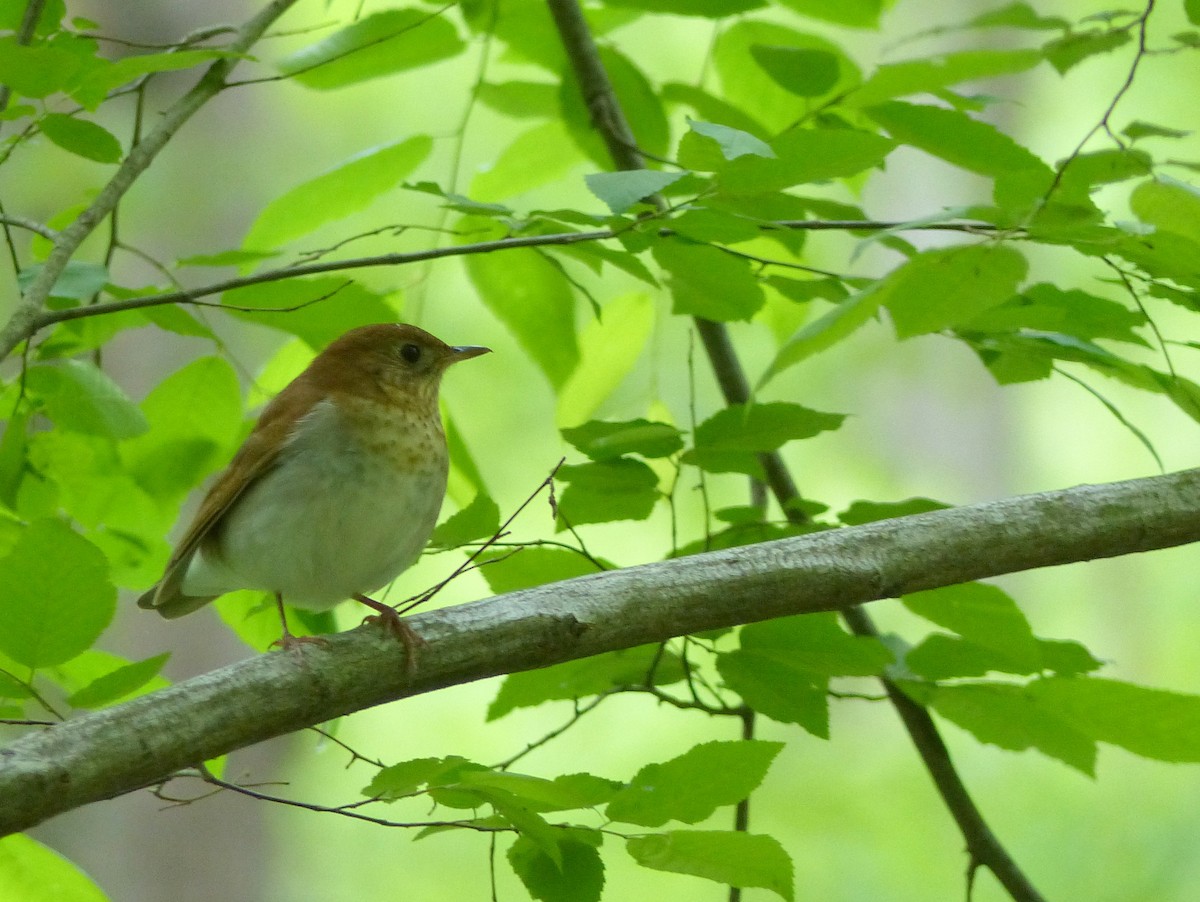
<point x="578" y="877"/>
<point x="343" y="190"/>
<point x="533" y="299"/>
<point x="564" y="793"/>
<point x="869" y="511"/>
<point x="79" y="397"/>
<point x="81" y="137"/>
<point x="1069" y="51"/>
<point x="806" y="155"/>
<point x="957" y="138"/>
<point x="1153" y="723"/>
<point x="588" y="676"/>
<point x="406" y="778"/>
<point x="510" y="173"/>
<point x="731" y="438"/>
<point x="708" y="282"/>
<point x="521" y="99"/>
<point x="779" y="689"/>
<point x="478" y="520"/>
<point x="943" y="288"/>
<point x="748" y="88"/>
<point x="57" y="598"/>
<point x="816" y="644"/>
<point x="380" y="44"/>
<point x="1169" y="206"/>
<point x="603" y="491"/>
<point x="1192" y="8"/>
<point x="1139" y="129"/>
<point x="938" y="73"/>
<point x="96" y="86"/>
<point x="41" y="70"/>
<point x="738" y="859"/>
<point x="317" y="309"/>
<point x="533" y="566"/>
<point x="731" y="142"/>
<point x="118" y="683"/>
<point x="824" y="332"/>
<point x="691" y="787"/>
<point x="78" y="280"/>
<point x="195" y="417"/>
<point x="32" y="872"/>
<point x="621" y="190"/>
<point x="982" y="614"/>
<point x="608" y="349"/>
<point x="709" y="9"/>
<point x="801" y="71"/>
<point x="1047" y="308"/>
<point x="1011" y="717"/>
<point x="606" y="440"/>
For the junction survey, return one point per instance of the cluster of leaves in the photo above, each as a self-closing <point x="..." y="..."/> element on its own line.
<point x="745" y="165"/>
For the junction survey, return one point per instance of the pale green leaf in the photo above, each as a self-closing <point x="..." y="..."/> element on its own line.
<point x="343" y="190"/>
<point x="81" y="137"/>
<point x="82" y="398"/>
<point x="32" y="872"/>
<point x="738" y="859"/>
<point x="621" y="190"/>
<point x="608" y="349"/>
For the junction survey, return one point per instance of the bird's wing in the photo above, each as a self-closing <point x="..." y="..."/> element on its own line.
<point x="258" y="455"/>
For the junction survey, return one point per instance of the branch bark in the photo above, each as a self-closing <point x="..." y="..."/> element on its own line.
<point x="22" y="323"/>
<point x="144" y="741"/>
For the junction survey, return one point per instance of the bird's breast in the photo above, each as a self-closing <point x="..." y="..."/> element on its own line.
<point x="350" y="504"/>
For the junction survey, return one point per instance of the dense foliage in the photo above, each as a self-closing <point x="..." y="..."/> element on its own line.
<point x="618" y="205"/>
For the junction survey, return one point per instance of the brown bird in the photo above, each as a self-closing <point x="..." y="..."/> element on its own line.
<point x="336" y="490"/>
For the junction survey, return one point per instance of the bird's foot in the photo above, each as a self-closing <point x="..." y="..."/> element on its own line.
<point x="288" y="642"/>
<point x="392" y="622"/>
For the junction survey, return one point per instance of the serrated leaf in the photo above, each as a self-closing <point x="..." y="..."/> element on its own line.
<point x="621" y="190"/>
<point x="195" y="416"/>
<point x="827" y="330"/>
<point x="79" y="397"/>
<point x="603" y="491"/>
<point x="606" y="440"/>
<point x="81" y="137"/>
<point x="690" y="787"/>
<point x="732" y="142"/>
<point x="58" y="598"/>
<point x="729" y="440"/>
<point x="777" y="689"/>
<point x="922" y="76"/>
<point x="588" y="676"/>
<point x="805" y="155"/>
<point x="1069" y="51"/>
<point x="942" y="288"/>
<point x="347" y="188"/>
<point x="79" y="280"/>
<point x="577" y="877"/>
<point x="869" y="511"/>
<point x="982" y="614"/>
<point x="407" y="777"/>
<point x="529" y="567"/>
<point x="380" y="44"/>
<point x="738" y="859"/>
<point x="1153" y="723"/>
<point x="707" y="282"/>
<point x="1011" y="717"/>
<point x="478" y="520"/>
<point x="118" y="684"/>
<point x="533" y="299"/>
<point x="510" y="174"/>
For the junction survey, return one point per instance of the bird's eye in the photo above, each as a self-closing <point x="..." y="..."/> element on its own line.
<point x="410" y="352"/>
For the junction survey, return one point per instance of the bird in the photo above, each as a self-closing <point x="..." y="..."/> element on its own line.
<point x="334" y="492"/>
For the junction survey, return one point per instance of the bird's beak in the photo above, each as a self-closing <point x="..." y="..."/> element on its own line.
<point x="466" y="352"/>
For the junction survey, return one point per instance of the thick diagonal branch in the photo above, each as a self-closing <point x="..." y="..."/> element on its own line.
<point x="143" y="741"/>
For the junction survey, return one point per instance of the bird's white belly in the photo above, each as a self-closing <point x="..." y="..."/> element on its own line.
<point x="327" y="523"/>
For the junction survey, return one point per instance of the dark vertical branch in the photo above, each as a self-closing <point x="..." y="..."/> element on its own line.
<point x="610" y="121"/>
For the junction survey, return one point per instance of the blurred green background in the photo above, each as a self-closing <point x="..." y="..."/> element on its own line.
<point x="858" y="814"/>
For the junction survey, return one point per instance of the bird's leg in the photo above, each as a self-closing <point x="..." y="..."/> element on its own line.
<point x="395" y="624"/>
<point x="287" y="641"/>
